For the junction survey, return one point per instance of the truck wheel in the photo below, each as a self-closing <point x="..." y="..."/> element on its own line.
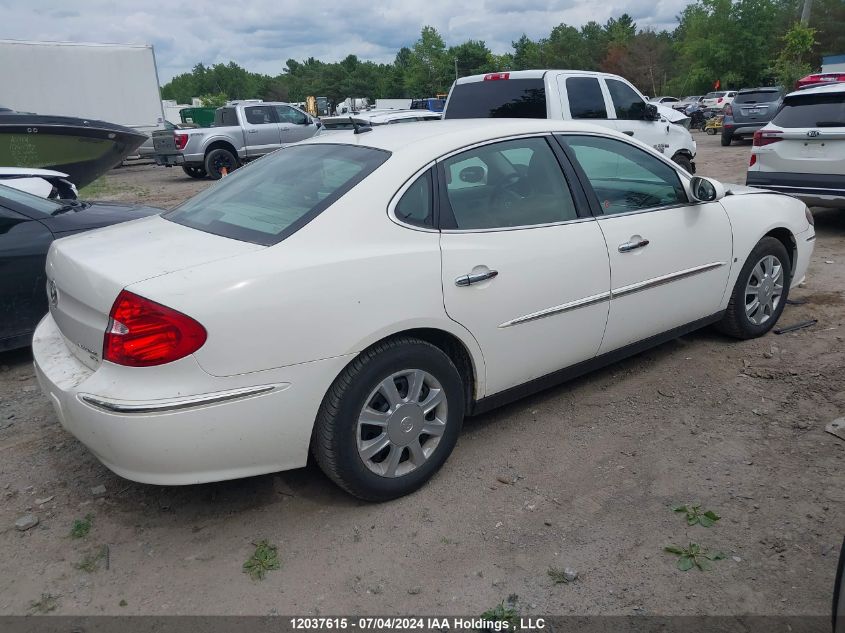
<point x="684" y="161"/>
<point x="218" y="159"/>
<point x="726" y="139"/>
<point x="194" y="171"/>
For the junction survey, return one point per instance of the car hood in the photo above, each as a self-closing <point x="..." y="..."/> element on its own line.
<point x="97" y="215"/>
<point x="670" y="114"/>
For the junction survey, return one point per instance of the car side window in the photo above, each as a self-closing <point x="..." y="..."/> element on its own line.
<point x="586" y="100"/>
<point x="289" y="115"/>
<point x="415" y="206"/>
<point x="627" y="103"/>
<point x="625" y="178"/>
<point x="258" y="115"/>
<point x="507" y="184"/>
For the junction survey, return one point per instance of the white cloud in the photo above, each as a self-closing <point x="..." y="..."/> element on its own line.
<point x="262" y="34"/>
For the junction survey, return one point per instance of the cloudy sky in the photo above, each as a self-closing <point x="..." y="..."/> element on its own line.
<point x="262" y="34"/>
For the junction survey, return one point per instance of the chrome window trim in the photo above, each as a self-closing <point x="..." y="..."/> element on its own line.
<point x="613" y="294"/>
<point x="115" y="406"/>
<point x="523" y="227"/>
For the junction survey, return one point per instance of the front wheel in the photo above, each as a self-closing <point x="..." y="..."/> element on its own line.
<point x="390" y="420"/>
<point x="760" y="292"/>
<point x="684" y="161"/>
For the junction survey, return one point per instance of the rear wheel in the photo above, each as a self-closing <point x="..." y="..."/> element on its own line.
<point x="217" y="160"/>
<point x="390" y="420"/>
<point x="194" y="171"/>
<point x="760" y="293"/>
<point x="727" y="137"/>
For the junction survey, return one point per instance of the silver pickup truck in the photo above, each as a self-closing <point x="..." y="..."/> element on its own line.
<point x="241" y="132"/>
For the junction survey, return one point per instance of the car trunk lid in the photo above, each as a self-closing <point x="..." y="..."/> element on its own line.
<point x="86" y="272"/>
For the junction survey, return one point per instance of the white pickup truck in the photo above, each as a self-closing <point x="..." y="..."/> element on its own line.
<point x="242" y="131"/>
<point x="599" y="98"/>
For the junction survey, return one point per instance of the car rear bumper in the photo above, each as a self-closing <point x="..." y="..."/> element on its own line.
<point x="169" y="160"/>
<point x="823" y="190"/>
<point x="737" y="129"/>
<point x="227" y="431"/>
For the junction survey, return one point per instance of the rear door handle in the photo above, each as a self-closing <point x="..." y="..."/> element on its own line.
<point x="252" y="131"/>
<point x="632" y="246"/>
<point x="628" y="132"/>
<point x="474" y="278"/>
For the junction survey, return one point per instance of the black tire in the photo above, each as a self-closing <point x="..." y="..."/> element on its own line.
<point x="684" y="161"/>
<point x="216" y="160"/>
<point x="194" y="171"/>
<point x="334" y="442"/>
<point x="711" y="131"/>
<point x="735" y="322"/>
<point x="727" y="138"/>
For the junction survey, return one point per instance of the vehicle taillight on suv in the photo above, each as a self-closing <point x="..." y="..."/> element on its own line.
<point x="180" y="139"/>
<point x="766" y="137"/>
<point x="143" y="333"/>
<point x="720" y="99"/>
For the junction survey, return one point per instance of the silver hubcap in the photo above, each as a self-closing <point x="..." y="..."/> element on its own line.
<point x="764" y="290"/>
<point x="401" y="423"/>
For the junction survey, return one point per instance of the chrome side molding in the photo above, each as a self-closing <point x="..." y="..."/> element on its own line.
<point x="129" y="408"/>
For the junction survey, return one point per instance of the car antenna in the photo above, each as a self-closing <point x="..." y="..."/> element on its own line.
<point x="359" y="129"/>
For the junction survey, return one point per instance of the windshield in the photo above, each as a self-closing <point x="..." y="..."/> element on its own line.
<point x="30" y="201"/>
<point x="504" y="98"/>
<point x="757" y="96"/>
<point x="274" y="197"/>
<point x="812" y="110"/>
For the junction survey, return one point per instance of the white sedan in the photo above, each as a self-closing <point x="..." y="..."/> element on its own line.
<point x="356" y="295"/>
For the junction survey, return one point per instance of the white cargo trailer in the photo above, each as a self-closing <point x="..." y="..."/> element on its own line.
<point x="117" y="83"/>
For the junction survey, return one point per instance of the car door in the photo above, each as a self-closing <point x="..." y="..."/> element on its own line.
<point x="261" y="130"/>
<point x="294" y="125"/>
<point x="583" y="97"/>
<point x="629" y="107"/>
<point x="23" y="297"/>
<point x="525" y="268"/>
<point x="669" y="258"/>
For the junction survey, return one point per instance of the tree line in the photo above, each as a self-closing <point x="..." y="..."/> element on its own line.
<point x="738" y="43"/>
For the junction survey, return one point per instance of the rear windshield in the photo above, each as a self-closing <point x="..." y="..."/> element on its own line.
<point x="274" y="197"/>
<point x="503" y="98"/>
<point x="225" y="116"/>
<point x="757" y="96"/>
<point x="812" y="110"/>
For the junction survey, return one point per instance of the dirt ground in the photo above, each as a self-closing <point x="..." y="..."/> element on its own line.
<point x="596" y="467"/>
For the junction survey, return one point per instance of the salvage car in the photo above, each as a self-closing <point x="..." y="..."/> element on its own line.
<point x="242" y="131"/>
<point x="801" y="151"/>
<point x="28" y="226"/>
<point x="356" y="295"/>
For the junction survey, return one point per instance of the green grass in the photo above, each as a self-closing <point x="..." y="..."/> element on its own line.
<point x="91" y="562"/>
<point x="102" y="188"/>
<point x="48" y="603"/>
<point x="81" y="527"/>
<point x="265" y="558"/>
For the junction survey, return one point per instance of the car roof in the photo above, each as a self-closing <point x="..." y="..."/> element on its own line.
<point x="533" y="74"/>
<point x="760" y="89"/>
<point x="432" y="139"/>
<point x="821" y="89"/>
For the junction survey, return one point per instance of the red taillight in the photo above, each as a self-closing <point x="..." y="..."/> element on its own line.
<point x="180" y="139"/>
<point x="729" y="111"/>
<point x="720" y="99"/>
<point x="143" y="333"/>
<point x="753" y="160"/>
<point x="766" y="137"/>
<point x="496" y="76"/>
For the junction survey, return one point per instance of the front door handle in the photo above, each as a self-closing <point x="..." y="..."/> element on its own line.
<point x="252" y="131"/>
<point x="632" y="246"/>
<point x="628" y="132"/>
<point x="474" y="278"/>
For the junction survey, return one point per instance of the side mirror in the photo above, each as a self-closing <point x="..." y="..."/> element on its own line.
<point x="472" y="174"/>
<point x="650" y="113"/>
<point x="706" y="189"/>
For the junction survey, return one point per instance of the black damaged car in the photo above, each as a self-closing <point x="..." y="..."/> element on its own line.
<point x="28" y="225"/>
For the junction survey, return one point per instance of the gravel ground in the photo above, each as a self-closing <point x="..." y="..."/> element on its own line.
<point x="593" y="470"/>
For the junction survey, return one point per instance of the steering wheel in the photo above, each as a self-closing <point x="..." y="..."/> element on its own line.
<point x="505" y="194"/>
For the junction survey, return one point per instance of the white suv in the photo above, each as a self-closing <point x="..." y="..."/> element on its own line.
<point x="598" y="98"/>
<point x="718" y="100"/>
<point x="802" y="150"/>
